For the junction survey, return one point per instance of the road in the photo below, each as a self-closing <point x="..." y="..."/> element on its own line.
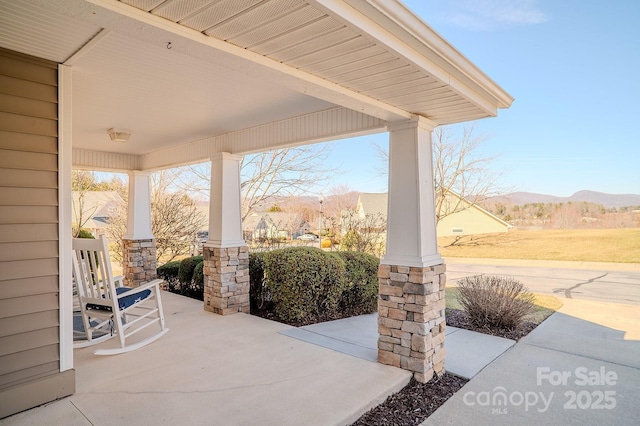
<point x="603" y="286"/>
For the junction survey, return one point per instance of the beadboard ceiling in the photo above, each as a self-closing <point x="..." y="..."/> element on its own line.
<point x="178" y="71"/>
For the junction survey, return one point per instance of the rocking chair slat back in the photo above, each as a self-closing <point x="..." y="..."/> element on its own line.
<point x="109" y="311"/>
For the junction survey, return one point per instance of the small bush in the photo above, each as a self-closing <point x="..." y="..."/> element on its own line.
<point x="258" y="291"/>
<point x="83" y="233"/>
<point x="305" y="282"/>
<point x="492" y="301"/>
<point x="169" y="273"/>
<point x="185" y="272"/>
<point x="361" y="295"/>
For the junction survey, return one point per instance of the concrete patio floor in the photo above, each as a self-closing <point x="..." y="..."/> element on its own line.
<point x="210" y="369"/>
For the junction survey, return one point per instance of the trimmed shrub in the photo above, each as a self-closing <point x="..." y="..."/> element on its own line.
<point x="361" y="295"/>
<point x="187" y="265"/>
<point x="492" y="301"/>
<point x="169" y="273"/>
<point x="258" y="291"/>
<point x="305" y="282"/>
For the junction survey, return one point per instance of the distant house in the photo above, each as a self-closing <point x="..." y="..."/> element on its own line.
<point x="273" y="225"/>
<point x="470" y="219"/>
<point x="92" y="210"/>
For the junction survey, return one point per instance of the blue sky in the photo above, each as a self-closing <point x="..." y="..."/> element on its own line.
<point x="573" y="67"/>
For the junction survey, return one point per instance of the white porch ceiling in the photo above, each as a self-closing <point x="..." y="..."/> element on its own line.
<point x="177" y="72"/>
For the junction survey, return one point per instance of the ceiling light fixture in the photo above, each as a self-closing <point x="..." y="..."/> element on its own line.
<point x="119" y="135"/>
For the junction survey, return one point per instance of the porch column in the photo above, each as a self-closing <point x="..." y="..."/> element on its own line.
<point x="138" y="243"/>
<point x="226" y="256"/>
<point x="411" y="321"/>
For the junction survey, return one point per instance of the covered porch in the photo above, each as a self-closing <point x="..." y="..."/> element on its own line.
<point x="136" y="86"/>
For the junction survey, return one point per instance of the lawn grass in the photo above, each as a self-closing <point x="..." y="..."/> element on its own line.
<point x="544" y="305"/>
<point x="582" y="245"/>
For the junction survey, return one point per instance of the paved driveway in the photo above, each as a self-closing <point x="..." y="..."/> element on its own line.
<point x="604" y="283"/>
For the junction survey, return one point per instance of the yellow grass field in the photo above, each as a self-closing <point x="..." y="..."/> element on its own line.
<point x="583" y="245"/>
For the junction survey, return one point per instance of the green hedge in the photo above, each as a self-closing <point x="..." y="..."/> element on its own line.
<point x="297" y="284"/>
<point x="305" y="282"/>
<point x="187" y="266"/>
<point x="361" y="295"/>
<point x="169" y="271"/>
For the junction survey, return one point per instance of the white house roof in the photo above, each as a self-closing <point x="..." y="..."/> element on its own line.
<point x="191" y="78"/>
<point x="373" y="203"/>
<point x="376" y="203"/>
<point x="95" y="204"/>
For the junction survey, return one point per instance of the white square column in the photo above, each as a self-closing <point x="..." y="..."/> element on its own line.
<point x="138" y="243"/>
<point x="411" y="216"/>
<point x="139" y="207"/>
<point x="225" y="213"/>
<point x="411" y="321"/>
<point x="226" y="256"/>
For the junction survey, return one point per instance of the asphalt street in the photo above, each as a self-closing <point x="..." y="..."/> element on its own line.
<point x="604" y="286"/>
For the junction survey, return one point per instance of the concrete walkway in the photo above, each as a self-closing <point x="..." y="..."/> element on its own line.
<point x="579" y="367"/>
<point x="468" y="352"/>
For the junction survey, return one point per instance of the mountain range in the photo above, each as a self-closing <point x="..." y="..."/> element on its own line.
<point x="607" y="200"/>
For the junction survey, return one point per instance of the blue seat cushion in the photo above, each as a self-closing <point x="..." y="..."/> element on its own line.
<point x="123" y="302"/>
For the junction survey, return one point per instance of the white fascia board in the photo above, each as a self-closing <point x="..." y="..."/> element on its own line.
<point x="124" y="19"/>
<point x="321" y="126"/>
<point x="401" y="31"/>
<point x="415" y="28"/>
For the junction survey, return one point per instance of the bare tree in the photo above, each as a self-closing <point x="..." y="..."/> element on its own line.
<point x="268" y="175"/>
<point x="365" y="234"/>
<point x="82" y="181"/>
<point x="341" y="199"/>
<point x="566" y="216"/>
<point x="459" y="169"/>
<point x="175" y="219"/>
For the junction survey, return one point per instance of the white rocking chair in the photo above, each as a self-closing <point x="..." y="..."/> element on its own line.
<point x="110" y="310"/>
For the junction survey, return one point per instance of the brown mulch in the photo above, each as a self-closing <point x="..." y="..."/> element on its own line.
<point x="460" y="319"/>
<point x="268" y="313"/>
<point x="414" y="403"/>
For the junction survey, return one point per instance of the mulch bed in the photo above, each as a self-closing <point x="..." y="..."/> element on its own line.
<point x="417" y="401"/>
<point x="414" y="403"/>
<point x="460" y="319"/>
<point x="268" y="313"/>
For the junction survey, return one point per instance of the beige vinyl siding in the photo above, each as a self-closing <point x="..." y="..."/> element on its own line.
<point x="29" y="283"/>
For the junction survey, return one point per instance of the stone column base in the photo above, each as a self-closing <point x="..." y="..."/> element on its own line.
<point x="139" y="261"/>
<point x="411" y="321"/>
<point x="226" y="280"/>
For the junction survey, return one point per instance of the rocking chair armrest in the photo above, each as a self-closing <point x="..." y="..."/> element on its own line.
<point x="142" y="288"/>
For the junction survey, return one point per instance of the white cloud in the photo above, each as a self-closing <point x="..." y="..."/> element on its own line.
<point x="490" y="14"/>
